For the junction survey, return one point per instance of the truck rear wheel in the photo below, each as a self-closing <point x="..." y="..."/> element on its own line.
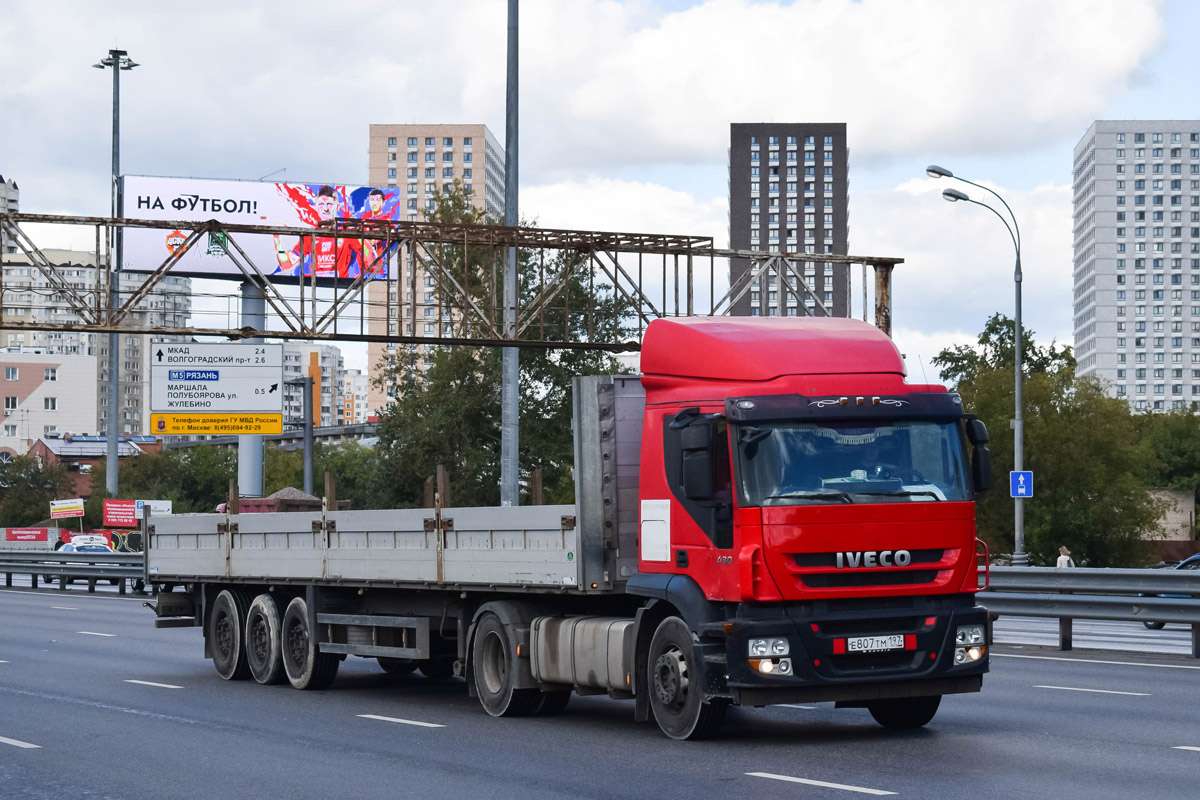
<point x="903" y="713"/>
<point x="225" y="637"/>
<point x="306" y="666"/>
<point x="263" y="640"/>
<point x="494" y="661"/>
<point x="673" y="681"/>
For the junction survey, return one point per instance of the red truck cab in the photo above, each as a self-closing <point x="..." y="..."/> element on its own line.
<point x="811" y="515"/>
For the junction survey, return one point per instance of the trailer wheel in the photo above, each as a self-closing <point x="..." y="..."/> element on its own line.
<point x="306" y="666"/>
<point x="1154" y="626"/>
<point x="673" y="681"/>
<point x="225" y="637"/>
<point x="263" y="640"/>
<point x="396" y="666"/>
<point x="905" y="712"/>
<point x="553" y="702"/>
<point x="494" y="661"/>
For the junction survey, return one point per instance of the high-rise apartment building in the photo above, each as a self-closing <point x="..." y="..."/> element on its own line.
<point x="424" y="162"/>
<point x="355" y="386"/>
<point x="1137" y="260"/>
<point x="10" y="197"/>
<point x="325" y="365"/>
<point x="788" y="192"/>
<point x="28" y="297"/>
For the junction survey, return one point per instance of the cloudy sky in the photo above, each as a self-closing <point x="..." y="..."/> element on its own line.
<point x="625" y="111"/>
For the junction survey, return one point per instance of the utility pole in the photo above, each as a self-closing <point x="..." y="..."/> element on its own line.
<point x="510" y="490"/>
<point x="118" y="61"/>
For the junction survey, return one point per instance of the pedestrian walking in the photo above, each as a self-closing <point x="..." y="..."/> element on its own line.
<point x="1064" y="558"/>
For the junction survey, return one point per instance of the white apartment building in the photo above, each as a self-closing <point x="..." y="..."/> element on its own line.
<point x="28" y="297"/>
<point x="10" y="197"/>
<point x="355" y="409"/>
<point x="425" y="161"/>
<point x="1137" y="260"/>
<point x="325" y="365"/>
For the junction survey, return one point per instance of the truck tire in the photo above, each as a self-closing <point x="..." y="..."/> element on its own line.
<point x="673" y="682"/>
<point x="264" y="641"/>
<point x="305" y="665"/>
<point x="905" y="712"/>
<point x="396" y="666"/>
<point x="225" y="634"/>
<point x="1154" y="626"/>
<point x="494" y="660"/>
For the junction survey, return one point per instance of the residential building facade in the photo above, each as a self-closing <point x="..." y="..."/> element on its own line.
<point x="29" y="298"/>
<point x="1137" y="260"/>
<point x="41" y="397"/>
<point x="788" y="192"/>
<point x="355" y="408"/>
<point x="10" y="196"/>
<point x="325" y="365"/>
<point x="425" y="162"/>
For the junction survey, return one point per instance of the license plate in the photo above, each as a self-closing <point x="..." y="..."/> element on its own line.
<point x="874" y="644"/>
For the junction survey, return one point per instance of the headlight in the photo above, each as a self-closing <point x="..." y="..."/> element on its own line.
<point x="966" y="655"/>
<point x="969" y="634"/>
<point x="769" y="647"/>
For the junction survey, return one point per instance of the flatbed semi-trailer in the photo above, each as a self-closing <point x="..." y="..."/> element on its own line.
<point x="768" y="514"/>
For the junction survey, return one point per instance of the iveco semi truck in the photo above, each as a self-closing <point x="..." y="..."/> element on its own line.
<point x="769" y="513"/>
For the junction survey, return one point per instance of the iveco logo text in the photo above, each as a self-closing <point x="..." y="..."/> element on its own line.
<point x="875" y="558"/>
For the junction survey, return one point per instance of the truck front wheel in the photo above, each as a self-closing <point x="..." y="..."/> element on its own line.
<point x="225" y="634"/>
<point x="494" y="662"/>
<point x="674" y="682"/>
<point x="306" y="666"/>
<point x="904" y="712"/>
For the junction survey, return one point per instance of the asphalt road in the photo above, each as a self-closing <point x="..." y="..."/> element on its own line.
<point x="95" y="703"/>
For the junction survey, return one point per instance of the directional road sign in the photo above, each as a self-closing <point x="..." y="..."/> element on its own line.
<point x="216" y="388"/>
<point x="1020" y="484"/>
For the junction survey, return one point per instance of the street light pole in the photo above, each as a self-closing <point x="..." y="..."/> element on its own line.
<point x="1020" y="557"/>
<point x="118" y="61"/>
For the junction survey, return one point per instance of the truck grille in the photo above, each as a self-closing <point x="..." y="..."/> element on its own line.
<point x="834" y="580"/>
<point x="930" y="556"/>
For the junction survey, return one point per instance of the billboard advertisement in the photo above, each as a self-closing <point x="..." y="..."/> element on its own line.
<point x="291" y="205"/>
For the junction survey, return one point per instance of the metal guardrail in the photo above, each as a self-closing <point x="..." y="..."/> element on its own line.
<point x="1134" y="595"/>
<point x="63" y="567"/>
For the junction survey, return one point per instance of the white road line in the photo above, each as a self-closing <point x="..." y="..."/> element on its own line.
<point x="65" y="608"/>
<point x="3" y="662"/>
<point x="1094" y="661"/>
<point x="19" y="743"/>
<point x="152" y="683"/>
<point x="1185" y="747"/>
<point x="792" y="705"/>
<point x="824" y="784"/>
<point x="402" y="721"/>
<point x="93" y="633"/>
<point x="1096" y="691"/>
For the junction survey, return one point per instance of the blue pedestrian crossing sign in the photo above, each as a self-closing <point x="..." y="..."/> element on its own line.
<point x="1020" y="484"/>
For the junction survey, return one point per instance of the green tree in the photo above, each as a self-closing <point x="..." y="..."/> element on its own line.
<point x="449" y="412"/>
<point x="1083" y="446"/>
<point x="26" y="489"/>
<point x="281" y="469"/>
<point x="355" y="470"/>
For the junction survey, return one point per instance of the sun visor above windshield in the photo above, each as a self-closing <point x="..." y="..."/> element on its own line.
<point x="917" y="405"/>
<point x="761" y="349"/>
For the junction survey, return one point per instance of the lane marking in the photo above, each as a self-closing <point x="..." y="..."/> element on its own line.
<point x="793" y="705"/>
<point x="3" y="662"/>
<point x="65" y="608"/>
<point x="1185" y="747"/>
<point x="152" y="683"/>
<point x="82" y="596"/>
<point x="1096" y="691"/>
<point x="19" y="743"/>
<point x="93" y="633"/>
<point x="1093" y="661"/>
<point x="401" y="721"/>
<point x="824" y="784"/>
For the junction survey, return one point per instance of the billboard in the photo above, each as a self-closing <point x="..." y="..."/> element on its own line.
<point x="291" y="205"/>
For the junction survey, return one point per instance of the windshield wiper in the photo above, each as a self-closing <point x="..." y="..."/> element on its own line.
<point x="905" y="493"/>
<point x="841" y="497"/>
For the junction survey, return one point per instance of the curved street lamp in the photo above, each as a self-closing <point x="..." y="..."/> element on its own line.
<point x="1020" y="557"/>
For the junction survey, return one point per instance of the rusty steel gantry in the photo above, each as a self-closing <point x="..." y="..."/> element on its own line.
<point x="566" y="275"/>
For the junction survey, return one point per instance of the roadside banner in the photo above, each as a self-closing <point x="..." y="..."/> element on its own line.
<point x="121" y="513"/>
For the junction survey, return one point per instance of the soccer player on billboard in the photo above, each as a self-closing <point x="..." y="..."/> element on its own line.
<point x="327" y="256"/>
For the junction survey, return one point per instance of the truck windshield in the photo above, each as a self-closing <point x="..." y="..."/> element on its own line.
<point x="886" y="462"/>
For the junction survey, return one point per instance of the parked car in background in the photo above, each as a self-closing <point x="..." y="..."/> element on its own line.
<point x="1192" y="563"/>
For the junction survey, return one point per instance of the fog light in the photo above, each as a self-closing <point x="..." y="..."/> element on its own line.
<point x="960" y="655"/>
<point x="965" y="655"/>
<point x="784" y="666"/>
<point x="766" y="666"/>
<point x="975" y="653"/>
<point x="969" y="634"/>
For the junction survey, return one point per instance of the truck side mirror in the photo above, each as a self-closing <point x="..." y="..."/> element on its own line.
<point x="981" y="468"/>
<point x="696" y="442"/>
<point x="977" y="432"/>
